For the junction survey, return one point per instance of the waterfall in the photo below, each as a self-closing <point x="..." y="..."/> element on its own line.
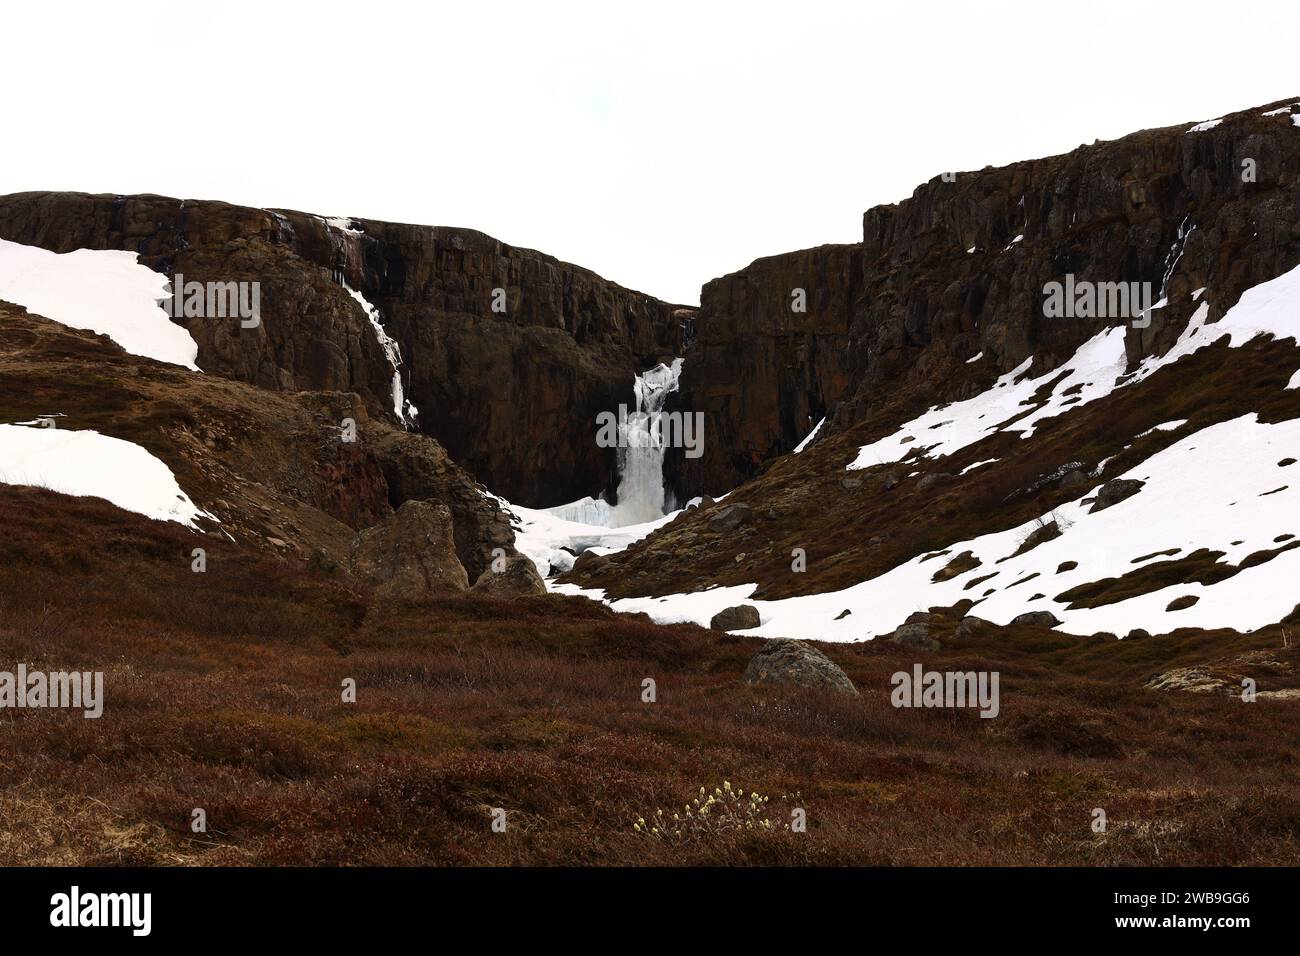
<point x="641" y="448"/>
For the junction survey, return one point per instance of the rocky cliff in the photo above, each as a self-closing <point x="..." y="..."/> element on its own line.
<point x="959" y="269"/>
<point x="503" y="390"/>
<point x="950" y="296"/>
<point x="769" y="356"/>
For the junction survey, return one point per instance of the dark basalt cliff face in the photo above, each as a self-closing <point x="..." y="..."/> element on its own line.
<point x="513" y="395"/>
<point x="769" y="356"/>
<point x="958" y="269"/>
<point x="505" y="393"/>
<point x="1170" y="207"/>
<point x="954" y="271"/>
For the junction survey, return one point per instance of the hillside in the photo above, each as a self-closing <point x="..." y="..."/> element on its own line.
<point x="393" y="479"/>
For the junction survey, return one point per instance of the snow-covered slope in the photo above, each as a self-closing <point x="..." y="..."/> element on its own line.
<point x="104" y="290"/>
<point x="87" y="463"/>
<point x="1097" y="369"/>
<point x="1232" y="487"/>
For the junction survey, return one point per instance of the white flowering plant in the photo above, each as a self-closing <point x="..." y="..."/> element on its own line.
<point x="726" y="809"/>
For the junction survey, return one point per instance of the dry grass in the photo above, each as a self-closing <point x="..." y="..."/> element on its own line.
<point x="223" y="692"/>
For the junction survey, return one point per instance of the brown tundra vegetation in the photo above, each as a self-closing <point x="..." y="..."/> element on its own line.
<point x="224" y="692"/>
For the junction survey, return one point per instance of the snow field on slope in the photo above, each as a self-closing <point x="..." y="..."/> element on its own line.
<point x="1270" y="308"/>
<point x="86" y="463"/>
<point x="103" y="290"/>
<point x="1214" y="487"/>
<point x="1207" y="491"/>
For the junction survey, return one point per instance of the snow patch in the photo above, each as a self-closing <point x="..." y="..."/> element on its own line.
<point x="1097" y="368"/>
<point x="86" y="463"/>
<point x="104" y="290"/>
<point x="1164" y="427"/>
<point x="809" y="437"/>
<point x="1206" y="491"/>
<point x="1207" y="125"/>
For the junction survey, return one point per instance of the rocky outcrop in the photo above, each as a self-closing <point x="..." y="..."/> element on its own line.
<point x="513" y="395"/>
<point x="506" y="392"/>
<point x="762" y="372"/>
<point x="796" y="663"/>
<point x="414" y="466"/>
<point x="957" y="270"/>
<point x="518" y="577"/>
<point x="411" y="554"/>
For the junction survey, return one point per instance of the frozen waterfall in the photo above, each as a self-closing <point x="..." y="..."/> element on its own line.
<point x="641" y="448"/>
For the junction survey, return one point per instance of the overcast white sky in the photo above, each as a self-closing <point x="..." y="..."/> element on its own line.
<point x="660" y="144"/>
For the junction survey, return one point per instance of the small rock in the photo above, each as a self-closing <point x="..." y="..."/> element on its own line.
<point x="730" y="517"/>
<point x="1115" y="491"/>
<point x="920" y="617"/>
<point x="930" y="480"/>
<point x="915" y="636"/>
<point x="590" y="561"/>
<point x="736" y="618"/>
<point x="788" y="662"/>
<point x="1137" y="634"/>
<point x="1036" y="619"/>
<point x="1182" y="603"/>
<point x="969" y="626"/>
<point x="843" y="614"/>
<point x="1040" y="535"/>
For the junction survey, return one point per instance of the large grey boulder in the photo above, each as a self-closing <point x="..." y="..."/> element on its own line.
<point x="517" y="578"/>
<point x="788" y="662"/>
<point x="736" y="618"/>
<point x="411" y="553"/>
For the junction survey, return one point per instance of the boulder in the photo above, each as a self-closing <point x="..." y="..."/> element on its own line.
<point x="1137" y="634"/>
<point x="931" y="480"/>
<point x="730" y="517"/>
<point x="411" y="553"/>
<point x="1074" y="480"/>
<point x="736" y="618"/>
<point x="969" y="626"/>
<point x="915" y="636"/>
<point x="1115" y="491"/>
<point x="1036" y="619"/>
<point x="518" y="578"/>
<point x="784" y="661"/>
